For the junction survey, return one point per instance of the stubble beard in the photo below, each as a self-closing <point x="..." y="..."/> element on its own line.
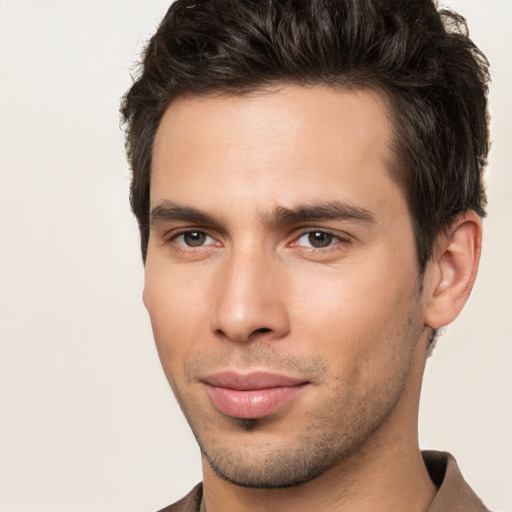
<point x="285" y="467"/>
<point x="327" y="438"/>
<point x="322" y="445"/>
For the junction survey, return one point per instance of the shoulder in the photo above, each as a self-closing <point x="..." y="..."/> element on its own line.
<point x="454" y="494"/>
<point x="190" y="503"/>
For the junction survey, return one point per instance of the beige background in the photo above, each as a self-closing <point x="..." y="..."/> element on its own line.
<point x="87" y="421"/>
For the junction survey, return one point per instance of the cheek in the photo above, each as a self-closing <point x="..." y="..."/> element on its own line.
<point x="354" y="315"/>
<point x="178" y="316"/>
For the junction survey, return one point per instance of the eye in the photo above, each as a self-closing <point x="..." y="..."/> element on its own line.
<point x="193" y="239"/>
<point x="317" y="239"/>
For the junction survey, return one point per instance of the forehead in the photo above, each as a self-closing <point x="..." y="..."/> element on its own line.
<point x="272" y="148"/>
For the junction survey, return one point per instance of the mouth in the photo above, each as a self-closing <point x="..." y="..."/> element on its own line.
<point x="253" y="395"/>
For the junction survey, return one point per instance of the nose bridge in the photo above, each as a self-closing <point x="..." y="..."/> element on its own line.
<point x="248" y="304"/>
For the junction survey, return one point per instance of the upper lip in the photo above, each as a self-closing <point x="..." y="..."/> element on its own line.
<point x="251" y="381"/>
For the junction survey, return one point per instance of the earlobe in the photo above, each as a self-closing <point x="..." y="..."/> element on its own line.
<point x="452" y="272"/>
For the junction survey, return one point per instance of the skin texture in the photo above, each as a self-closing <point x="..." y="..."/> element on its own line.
<point x="237" y="280"/>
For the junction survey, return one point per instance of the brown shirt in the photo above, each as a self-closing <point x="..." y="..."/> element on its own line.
<point x="453" y="495"/>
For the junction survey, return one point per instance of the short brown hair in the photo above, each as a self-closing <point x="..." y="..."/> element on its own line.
<point x="421" y="58"/>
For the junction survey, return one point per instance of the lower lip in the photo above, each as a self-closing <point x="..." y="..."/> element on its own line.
<point x="254" y="403"/>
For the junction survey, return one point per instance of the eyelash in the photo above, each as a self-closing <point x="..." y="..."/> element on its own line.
<point x="183" y="246"/>
<point x="335" y="239"/>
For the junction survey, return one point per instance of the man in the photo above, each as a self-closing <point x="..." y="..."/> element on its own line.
<point x="307" y="178"/>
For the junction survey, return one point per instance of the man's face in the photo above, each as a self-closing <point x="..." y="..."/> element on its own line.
<point x="282" y="279"/>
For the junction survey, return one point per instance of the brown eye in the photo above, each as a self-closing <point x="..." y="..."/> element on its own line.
<point x="194" y="238"/>
<point x="320" y="239"/>
<point x="321" y="244"/>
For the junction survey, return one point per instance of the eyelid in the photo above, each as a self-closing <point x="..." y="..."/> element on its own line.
<point x="341" y="237"/>
<point x="174" y="234"/>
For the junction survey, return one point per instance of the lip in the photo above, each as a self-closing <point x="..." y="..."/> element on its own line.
<point x="251" y="395"/>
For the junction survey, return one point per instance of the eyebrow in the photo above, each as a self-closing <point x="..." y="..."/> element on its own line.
<point x="168" y="211"/>
<point x="338" y="210"/>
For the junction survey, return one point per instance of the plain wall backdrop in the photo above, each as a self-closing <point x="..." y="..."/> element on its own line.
<point x="88" y="422"/>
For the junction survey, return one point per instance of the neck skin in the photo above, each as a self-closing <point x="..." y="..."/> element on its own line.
<point x="386" y="473"/>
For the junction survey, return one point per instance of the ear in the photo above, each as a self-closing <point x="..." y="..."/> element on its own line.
<point x="451" y="273"/>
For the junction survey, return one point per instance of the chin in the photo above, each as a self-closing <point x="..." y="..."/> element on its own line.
<point x="252" y="457"/>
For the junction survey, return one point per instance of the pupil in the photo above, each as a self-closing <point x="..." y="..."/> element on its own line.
<point x="319" y="239"/>
<point x="194" y="238"/>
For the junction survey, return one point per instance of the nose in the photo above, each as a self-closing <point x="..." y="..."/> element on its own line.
<point x="250" y="299"/>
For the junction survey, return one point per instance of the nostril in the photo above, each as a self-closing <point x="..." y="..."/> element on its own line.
<point x="263" y="330"/>
<point x="242" y="336"/>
